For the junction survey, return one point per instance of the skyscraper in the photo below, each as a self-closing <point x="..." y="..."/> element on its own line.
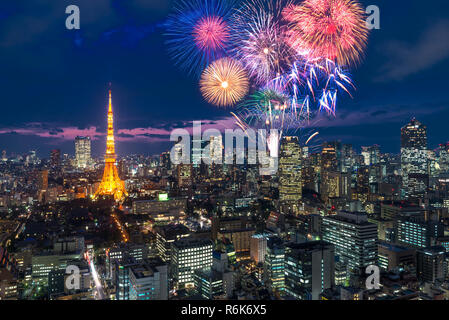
<point x="330" y="162"/>
<point x="82" y="152"/>
<point x="185" y="176"/>
<point x="197" y="150"/>
<point x="208" y="283"/>
<point x="309" y="269"/>
<point x="443" y="159"/>
<point x="188" y="255"/>
<point x="412" y="230"/>
<point x="55" y="158"/>
<point x="165" y="162"/>
<point x="166" y="235"/>
<point x="371" y="155"/>
<point x="347" y="158"/>
<point x="215" y="149"/>
<point x="362" y="184"/>
<point x="274" y="264"/>
<point x="42" y="184"/>
<point x="258" y="247"/>
<point x="414" y="164"/>
<point x="148" y="281"/>
<point x="430" y="264"/>
<point x="290" y="187"/>
<point x="338" y="185"/>
<point x="330" y="156"/>
<point x="355" y="239"/>
<point x="111" y="185"/>
<point x="121" y="277"/>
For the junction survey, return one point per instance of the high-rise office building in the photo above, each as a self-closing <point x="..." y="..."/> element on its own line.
<point x="221" y="264"/>
<point x="42" y="185"/>
<point x="188" y="255"/>
<point x="338" y="185"/>
<point x="290" y="186"/>
<point x="395" y="258"/>
<point x="362" y="184"/>
<point x="394" y="210"/>
<point x="355" y="239"/>
<point x="58" y="277"/>
<point x="82" y="152"/>
<point x="43" y="263"/>
<point x="443" y="158"/>
<point x="258" y="247"/>
<point x="430" y="264"/>
<point x="55" y="158"/>
<point x="122" y="270"/>
<point x="185" y="176"/>
<point x="43" y="180"/>
<point x="414" y="159"/>
<point x="166" y="236"/>
<point x="8" y="285"/>
<point x="434" y="169"/>
<point x="227" y="224"/>
<point x="331" y="156"/>
<point x="124" y="253"/>
<point x="148" y="280"/>
<point x="68" y="244"/>
<point x="216" y="149"/>
<point x="371" y="155"/>
<point x="165" y="162"/>
<point x="330" y="162"/>
<point x="217" y="281"/>
<point x="274" y="264"/>
<point x="309" y="269"/>
<point x="347" y="157"/>
<point x="198" y="146"/>
<point x="240" y="238"/>
<point x="414" y="231"/>
<point x="208" y="283"/>
<point x="213" y="155"/>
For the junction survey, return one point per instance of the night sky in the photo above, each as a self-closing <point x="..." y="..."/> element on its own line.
<point x="54" y="81"/>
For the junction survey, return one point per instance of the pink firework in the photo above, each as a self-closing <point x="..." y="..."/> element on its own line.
<point x="327" y="29"/>
<point x="211" y="33"/>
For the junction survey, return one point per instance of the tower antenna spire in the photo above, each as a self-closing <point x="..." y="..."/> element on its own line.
<point x="110" y="101"/>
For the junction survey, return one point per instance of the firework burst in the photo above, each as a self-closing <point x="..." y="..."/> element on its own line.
<point x="198" y="32"/>
<point x="297" y="57"/>
<point x="329" y="29"/>
<point x="259" y="41"/>
<point x="210" y="33"/>
<point x="272" y="107"/>
<point x="320" y="80"/>
<point x="224" y="82"/>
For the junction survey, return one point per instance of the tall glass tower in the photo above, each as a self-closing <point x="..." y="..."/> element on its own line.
<point x="290" y="187"/>
<point x="414" y="159"/>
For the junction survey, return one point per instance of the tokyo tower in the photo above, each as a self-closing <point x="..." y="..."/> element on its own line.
<point x="111" y="185"/>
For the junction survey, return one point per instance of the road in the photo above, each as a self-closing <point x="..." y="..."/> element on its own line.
<point x="99" y="295"/>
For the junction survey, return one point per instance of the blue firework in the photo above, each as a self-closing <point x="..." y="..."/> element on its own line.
<point x="198" y="32"/>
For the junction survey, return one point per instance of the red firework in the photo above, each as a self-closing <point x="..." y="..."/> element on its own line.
<point x="329" y="29"/>
<point x="211" y="33"/>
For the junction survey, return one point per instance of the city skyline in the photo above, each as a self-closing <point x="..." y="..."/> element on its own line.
<point x="243" y="154"/>
<point x="317" y="148"/>
<point x="394" y="84"/>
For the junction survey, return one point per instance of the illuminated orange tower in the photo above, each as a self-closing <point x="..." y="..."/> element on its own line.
<point x="111" y="185"/>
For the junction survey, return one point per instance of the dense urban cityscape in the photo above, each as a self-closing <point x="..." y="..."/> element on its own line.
<point x="143" y="228"/>
<point x="223" y="158"/>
